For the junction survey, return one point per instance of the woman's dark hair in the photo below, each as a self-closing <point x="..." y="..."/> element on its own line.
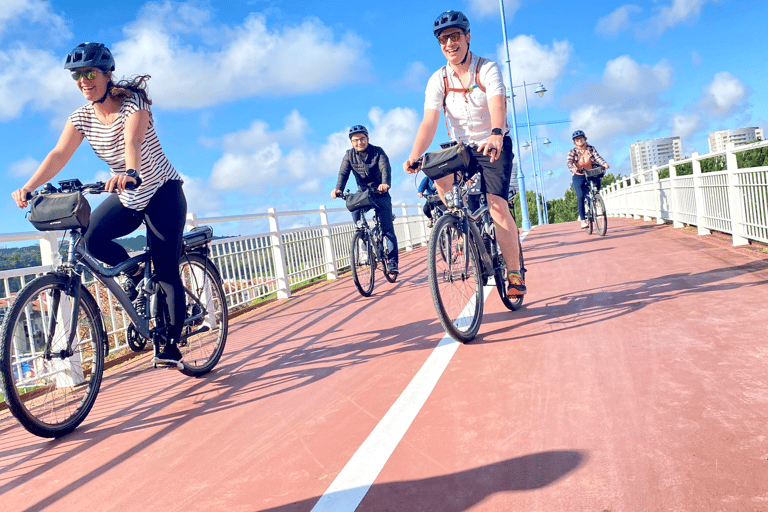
<point x="125" y="88"/>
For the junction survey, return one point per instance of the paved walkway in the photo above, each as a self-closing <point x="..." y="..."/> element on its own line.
<point x="634" y="379"/>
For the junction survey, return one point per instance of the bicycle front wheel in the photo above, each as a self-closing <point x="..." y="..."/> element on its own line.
<point x="601" y="216"/>
<point x="363" y="263"/>
<point x="589" y="215"/>
<point x="454" y="280"/>
<point x="50" y="388"/>
<point x="207" y="317"/>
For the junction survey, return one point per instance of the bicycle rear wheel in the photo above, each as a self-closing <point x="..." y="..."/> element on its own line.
<point x="363" y="263"/>
<point x="502" y="284"/>
<point x="51" y="395"/>
<point x="601" y="216"/>
<point x="207" y="317"/>
<point x="454" y="280"/>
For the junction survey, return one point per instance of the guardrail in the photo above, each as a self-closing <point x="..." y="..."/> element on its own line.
<point x="733" y="200"/>
<point x="252" y="267"/>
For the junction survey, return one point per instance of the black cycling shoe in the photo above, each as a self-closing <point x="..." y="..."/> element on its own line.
<point x="169" y="356"/>
<point x="392" y="267"/>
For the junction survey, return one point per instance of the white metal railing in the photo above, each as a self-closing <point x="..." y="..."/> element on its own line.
<point x="252" y="266"/>
<point x="733" y="201"/>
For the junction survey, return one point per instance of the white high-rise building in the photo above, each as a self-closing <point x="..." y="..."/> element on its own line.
<point x="656" y="152"/>
<point x="719" y="140"/>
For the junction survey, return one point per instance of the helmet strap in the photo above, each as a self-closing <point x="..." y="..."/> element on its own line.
<point x="106" y="93"/>
<point x="465" y="55"/>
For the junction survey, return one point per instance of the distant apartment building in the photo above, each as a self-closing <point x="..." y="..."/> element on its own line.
<point x="656" y="152"/>
<point x="719" y="140"/>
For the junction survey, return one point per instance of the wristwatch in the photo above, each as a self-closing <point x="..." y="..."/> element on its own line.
<point x="496" y="131"/>
<point x="131" y="173"/>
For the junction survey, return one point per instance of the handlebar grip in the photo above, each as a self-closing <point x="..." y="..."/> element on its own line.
<point x="133" y="186"/>
<point x="29" y="196"/>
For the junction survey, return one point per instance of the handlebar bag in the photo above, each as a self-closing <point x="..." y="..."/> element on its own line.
<point x="59" y="210"/>
<point x="595" y="172"/>
<point x="444" y="162"/>
<point x="359" y="200"/>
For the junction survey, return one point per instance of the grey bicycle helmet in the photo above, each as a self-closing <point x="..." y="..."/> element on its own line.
<point x="450" y="19"/>
<point x="90" y="55"/>
<point x="358" y="128"/>
<point x="577" y="134"/>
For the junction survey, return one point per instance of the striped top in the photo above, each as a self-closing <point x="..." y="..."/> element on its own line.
<point x="108" y="142"/>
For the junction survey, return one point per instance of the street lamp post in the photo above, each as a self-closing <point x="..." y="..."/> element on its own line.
<point x="526" y="222"/>
<point x="540" y="90"/>
<point x="541" y="205"/>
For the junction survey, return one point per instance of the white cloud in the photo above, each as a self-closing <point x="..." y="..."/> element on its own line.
<point x="414" y="79"/>
<point x="258" y="159"/>
<point x="196" y="63"/>
<point x="685" y="125"/>
<point x="24" y="168"/>
<point x="617" y="21"/>
<point x="36" y="12"/>
<point x="534" y="62"/>
<point x="724" y="96"/>
<point x="670" y="15"/>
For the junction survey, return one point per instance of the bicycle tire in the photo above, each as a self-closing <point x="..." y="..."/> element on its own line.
<point x="589" y="215"/>
<point x="50" y="397"/>
<point x="502" y="282"/>
<point x="363" y="263"/>
<point x="202" y="343"/>
<point x="601" y="216"/>
<point x="457" y="296"/>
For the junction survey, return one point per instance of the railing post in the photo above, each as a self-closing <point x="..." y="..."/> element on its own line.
<point x="734" y="197"/>
<point x="278" y="257"/>
<point x="192" y="220"/>
<point x="674" y="201"/>
<point x="627" y="196"/>
<point x="657" y="194"/>
<point x="698" y="194"/>
<point x="639" y="206"/>
<point x="407" y="228"/>
<point x="49" y="249"/>
<point x="330" y="254"/>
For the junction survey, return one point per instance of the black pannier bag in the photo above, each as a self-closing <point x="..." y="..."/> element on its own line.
<point x="60" y="210"/>
<point x="359" y="200"/>
<point x="444" y="162"/>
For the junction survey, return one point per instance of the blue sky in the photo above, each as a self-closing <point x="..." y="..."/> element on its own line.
<point x="253" y="100"/>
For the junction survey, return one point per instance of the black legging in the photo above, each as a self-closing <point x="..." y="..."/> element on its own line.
<point x="165" y="214"/>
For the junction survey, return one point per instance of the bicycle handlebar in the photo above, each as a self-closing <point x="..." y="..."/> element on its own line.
<point x="74" y="185"/>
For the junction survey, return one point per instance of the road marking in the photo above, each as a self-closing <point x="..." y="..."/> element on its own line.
<point x="352" y="484"/>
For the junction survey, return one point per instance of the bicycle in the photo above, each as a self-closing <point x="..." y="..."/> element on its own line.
<point x="364" y="256"/>
<point x="463" y="255"/>
<point x="54" y="327"/>
<point x="594" y="206"/>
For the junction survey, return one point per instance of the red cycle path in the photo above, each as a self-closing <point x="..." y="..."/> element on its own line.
<point x="634" y="379"/>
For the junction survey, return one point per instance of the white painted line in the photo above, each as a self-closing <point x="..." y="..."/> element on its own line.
<point x="351" y="485"/>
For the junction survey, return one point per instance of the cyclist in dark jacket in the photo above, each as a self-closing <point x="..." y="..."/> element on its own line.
<point x="372" y="171"/>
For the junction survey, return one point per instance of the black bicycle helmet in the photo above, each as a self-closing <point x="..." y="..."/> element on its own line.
<point x="90" y="55"/>
<point x="358" y="128"/>
<point x="577" y="134"/>
<point x="450" y="19"/>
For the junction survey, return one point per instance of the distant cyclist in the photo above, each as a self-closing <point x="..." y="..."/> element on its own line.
<point x="118" y="124"/>
<point x="372" y="171"/>
<point x="425" y="190"/>
<point x="470" y="91"/>
<point x="581" y="158"/>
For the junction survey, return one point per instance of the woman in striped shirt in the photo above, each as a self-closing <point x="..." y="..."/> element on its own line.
<point x="118" y="124"/>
